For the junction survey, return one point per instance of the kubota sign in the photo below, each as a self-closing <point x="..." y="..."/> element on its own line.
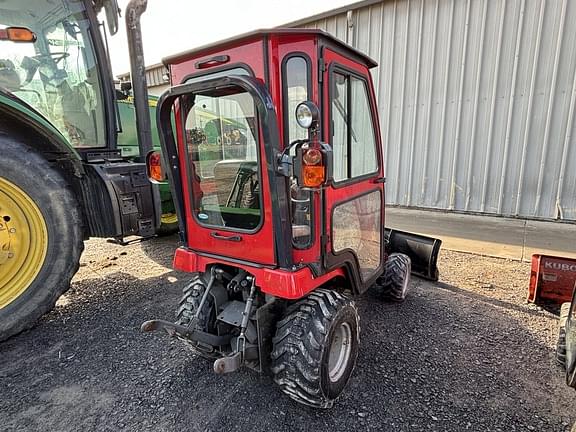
<point x="555" y="265"/>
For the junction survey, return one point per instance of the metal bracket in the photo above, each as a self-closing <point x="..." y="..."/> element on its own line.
<point x="228" y="364"/>
<point x="180" y="331"/>
<point x="121" y="242"/>
<point x="284" y="164"/>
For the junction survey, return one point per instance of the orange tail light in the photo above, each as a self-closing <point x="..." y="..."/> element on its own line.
<point x="313" y="170"/>
<point x="154" y="167"/>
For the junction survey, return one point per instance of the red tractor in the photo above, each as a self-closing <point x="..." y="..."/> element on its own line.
<point x="271" y="144"/>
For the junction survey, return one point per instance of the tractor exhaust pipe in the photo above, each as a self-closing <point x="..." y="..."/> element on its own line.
<point x="423" y="251"/>
<point x="138" y="75"/>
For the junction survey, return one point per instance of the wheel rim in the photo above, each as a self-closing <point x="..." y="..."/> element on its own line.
<point x="23" y="241"/>
<point x="340" y="352"/>
<point x="169" y="218"/>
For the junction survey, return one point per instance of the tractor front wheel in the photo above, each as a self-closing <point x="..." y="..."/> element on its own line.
<point x="315" y="348"/>
<point x="393" y="284"/>
<point x="40" y="237"/>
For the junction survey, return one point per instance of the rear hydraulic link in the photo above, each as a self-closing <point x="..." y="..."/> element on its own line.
<point x="233" y="362"/>
<point x="213" y="272"/>
<point x="188" y="331"/>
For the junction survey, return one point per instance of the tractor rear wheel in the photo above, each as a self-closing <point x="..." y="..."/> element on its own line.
<point x="168" y="225"/>
<point x="315" y="348"/>
<point x="40" y="236"/>
<point x="561" y="343"/>
<point x="393" y="284"/>
<point x="192" y="294"/>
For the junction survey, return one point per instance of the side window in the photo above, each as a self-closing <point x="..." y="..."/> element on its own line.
<point x="353" y="138"/>
<point x="295" y="74"/>
<point x="296" y="78"/>
<point x="340" y="121"/>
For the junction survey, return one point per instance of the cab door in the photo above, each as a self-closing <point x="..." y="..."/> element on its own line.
<point x="226" y="192"/>
<point x="354" y="201"/>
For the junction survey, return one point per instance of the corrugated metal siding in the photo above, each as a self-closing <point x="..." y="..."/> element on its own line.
<point x="477" y="101"/>
<point x="155" y="76"/>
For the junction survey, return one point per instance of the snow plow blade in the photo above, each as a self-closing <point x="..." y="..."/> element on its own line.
<point x="423" y="251"/>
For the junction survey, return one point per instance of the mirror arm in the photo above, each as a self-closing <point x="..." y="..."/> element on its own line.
<point x="284" y="163"/>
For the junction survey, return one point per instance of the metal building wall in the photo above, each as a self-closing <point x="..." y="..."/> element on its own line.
<point x="476" y="99"/>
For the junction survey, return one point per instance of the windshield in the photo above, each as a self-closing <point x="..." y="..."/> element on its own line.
<point x="58" y="73"/>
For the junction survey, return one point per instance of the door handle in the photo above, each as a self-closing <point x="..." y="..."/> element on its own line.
<point x="379" y="180"/>
<point x="234" y="238"/>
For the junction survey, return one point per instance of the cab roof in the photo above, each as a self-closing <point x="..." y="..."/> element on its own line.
<point x="263" y="34"/>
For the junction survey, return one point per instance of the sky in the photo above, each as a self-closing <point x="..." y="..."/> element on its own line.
<point x="172" y="26"/>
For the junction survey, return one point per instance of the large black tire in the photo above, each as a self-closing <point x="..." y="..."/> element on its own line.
<point x="307" y="344"/>
<point x="48" y="190"/>
<point x="561" y="343"/>
<point x="189" y="303"/>
<point x="394" y="283"/>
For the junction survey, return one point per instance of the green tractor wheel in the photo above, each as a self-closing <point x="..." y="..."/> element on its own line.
<point x="168" y="224"/>
<point x="40" y="237"/>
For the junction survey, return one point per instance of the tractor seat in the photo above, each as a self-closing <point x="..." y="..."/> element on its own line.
<point x="238" y="192"/>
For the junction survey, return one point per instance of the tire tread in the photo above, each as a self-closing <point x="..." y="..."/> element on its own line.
<point x="298" y="346"/>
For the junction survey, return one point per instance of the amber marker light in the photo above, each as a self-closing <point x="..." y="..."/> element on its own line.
<point x="154" y="167"/>
<point x="313" y="171"/>
<point x="17" y="34"/>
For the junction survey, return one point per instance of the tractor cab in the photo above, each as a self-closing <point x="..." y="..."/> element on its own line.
<point x="271" y="144"/>
<point x="302" y="191"/>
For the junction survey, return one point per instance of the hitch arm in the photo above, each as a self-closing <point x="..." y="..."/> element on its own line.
<point x="184" y="332"/>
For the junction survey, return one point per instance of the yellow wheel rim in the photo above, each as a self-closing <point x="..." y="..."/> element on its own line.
<point x="169" y="218"/>
<point x="23" y="241"/>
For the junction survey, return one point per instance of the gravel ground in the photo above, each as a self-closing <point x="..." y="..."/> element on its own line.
<point x="464" y="354"/>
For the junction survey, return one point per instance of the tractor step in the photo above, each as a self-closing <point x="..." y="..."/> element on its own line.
<point x="184" y="332"/>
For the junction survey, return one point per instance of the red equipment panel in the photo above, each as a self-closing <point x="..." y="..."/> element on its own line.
<point x="552" y="279"/>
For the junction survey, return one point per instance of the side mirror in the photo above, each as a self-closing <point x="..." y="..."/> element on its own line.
<point x="112" y="12"/>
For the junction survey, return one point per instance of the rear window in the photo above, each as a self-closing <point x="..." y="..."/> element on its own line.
<point x="222" y="142"/>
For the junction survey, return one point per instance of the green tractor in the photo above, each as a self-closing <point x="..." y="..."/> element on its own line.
<point x="67" y="171"/>
<point x="128" y="145"/>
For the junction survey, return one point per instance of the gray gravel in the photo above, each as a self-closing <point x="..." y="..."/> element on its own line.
<point x="468" y="356"/>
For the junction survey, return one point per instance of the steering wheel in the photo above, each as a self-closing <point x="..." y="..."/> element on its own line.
<point x="57" y="56"/>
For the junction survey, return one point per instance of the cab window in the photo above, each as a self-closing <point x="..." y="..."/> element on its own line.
<point x="296" y="77"/>
<point x="353" y="136"/>
<point x="57" y="74"/>
<point x="296" y="80"/>
<point x="222" y="142"/>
